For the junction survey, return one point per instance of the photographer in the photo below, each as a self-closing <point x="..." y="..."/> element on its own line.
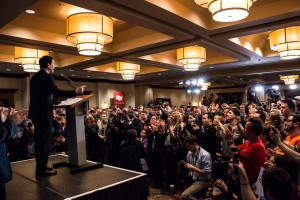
<point x="199" y="165"/>
<point x="230" y="184"/>
<point x="277" y="184"/>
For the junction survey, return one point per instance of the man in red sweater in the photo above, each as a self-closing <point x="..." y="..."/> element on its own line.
<point x="253" y="153"/>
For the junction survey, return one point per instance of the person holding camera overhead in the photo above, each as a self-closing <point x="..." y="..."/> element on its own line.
<point x="199" y="164"/>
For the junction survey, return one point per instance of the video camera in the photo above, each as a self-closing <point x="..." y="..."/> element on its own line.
<point x="236" y="152"/>
<point x="221" y="164"/>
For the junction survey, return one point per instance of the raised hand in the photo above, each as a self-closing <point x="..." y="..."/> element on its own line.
<point x="3" y="114"/>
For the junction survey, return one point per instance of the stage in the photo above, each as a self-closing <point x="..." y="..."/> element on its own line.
<point x="103" y="183"/>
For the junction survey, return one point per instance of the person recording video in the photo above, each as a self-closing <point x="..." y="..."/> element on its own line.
<point x="42" y="91"/>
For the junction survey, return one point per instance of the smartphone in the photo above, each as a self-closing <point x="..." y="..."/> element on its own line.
<point x="273" y="128"/>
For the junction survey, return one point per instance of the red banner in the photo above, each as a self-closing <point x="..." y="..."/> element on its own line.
<point x="119" y="99"/>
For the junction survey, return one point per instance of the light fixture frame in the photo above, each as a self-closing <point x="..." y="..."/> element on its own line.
<point x="191" y="57"/>
<point x="29" y="58"/>
<point x="286" y="41"/>
<point x="90" y="31"/>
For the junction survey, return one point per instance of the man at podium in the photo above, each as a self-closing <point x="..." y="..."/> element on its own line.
<point x="42" y="90"/>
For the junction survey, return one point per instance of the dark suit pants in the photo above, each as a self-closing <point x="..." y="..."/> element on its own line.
<point x="43" y="143"/>
<point x="2" y="191"/>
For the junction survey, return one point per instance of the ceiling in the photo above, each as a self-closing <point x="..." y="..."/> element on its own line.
<point x="148" y="33"/>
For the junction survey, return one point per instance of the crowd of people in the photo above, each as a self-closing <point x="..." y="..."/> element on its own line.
<point x="194" y="148"/>
<point x="215" y="150"/>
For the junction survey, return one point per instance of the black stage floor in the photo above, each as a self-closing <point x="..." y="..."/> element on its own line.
<point x="102" y="183"/>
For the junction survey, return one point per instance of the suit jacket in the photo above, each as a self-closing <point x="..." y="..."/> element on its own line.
<point x="8" y="129"/>
<point x="42" y="90"/>
<point x="135" y="124"/>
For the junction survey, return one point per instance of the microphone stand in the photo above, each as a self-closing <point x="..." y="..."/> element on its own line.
<point x="71" y="85"/>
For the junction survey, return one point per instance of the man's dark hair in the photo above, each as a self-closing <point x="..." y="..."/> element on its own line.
<point x="257" y="125"/>
<point x="290" y="103"/>
<point x="44" y="61"/>
<point x="235" y="111"/>
<point x="190" y="139"/>
<point x="113" y="108"/>
<point x="296" y="118"/>
<point x="278" y="182"/>
<point x="263" y="115"/>
<point x="131" y="135"/>
<point x="210" y="115"/>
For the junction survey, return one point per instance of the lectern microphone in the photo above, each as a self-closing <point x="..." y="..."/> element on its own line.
<point x="67" y="79"/>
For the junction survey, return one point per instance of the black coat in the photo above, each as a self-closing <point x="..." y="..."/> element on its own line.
<point x="42" y="90"/>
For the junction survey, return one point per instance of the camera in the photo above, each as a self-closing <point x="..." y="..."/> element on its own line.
<point x="273" y="128"/>
<point x="181" y="169"/>
<point x="181" y="163"/>
<point x="236" y="152"/>
<point x="29" y="124"/>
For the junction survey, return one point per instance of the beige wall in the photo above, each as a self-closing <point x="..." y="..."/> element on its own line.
<point x="178" y="97"/>
<point x="134" y="95"/>
<point x="21" y="95"/>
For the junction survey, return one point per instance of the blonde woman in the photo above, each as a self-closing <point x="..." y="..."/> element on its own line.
<point x="224" y="134"/>
<point x="174" y="151"/>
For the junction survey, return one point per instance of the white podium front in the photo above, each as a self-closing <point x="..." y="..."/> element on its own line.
<point x="76" y="109"/>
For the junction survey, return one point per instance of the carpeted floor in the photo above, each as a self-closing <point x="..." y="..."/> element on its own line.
<point x="158" y="194"/>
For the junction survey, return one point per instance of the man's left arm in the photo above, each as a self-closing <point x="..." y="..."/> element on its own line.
<point x="205" y="164"/>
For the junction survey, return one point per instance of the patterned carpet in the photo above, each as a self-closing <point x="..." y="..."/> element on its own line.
<point x="158" y="194"/>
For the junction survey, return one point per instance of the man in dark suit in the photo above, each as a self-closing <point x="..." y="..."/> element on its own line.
<point x="8" y="128"/>
<point x="42" y="90"/>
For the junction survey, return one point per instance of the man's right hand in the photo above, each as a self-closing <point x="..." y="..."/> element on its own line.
<point x="80" y="90"/>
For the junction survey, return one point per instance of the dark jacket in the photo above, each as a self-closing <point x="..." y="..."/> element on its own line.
<point x="131" y="154"/>
<point x="8" y="129"/>
<point x="42" y="90"/>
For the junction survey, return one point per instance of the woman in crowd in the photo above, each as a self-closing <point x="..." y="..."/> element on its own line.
<point x="92" y="139"/>
<point x="225" y="135"/>
<point x="173" y="147"/>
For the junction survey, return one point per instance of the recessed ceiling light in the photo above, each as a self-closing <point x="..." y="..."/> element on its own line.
<point x="101" y="77"/>
<point x="30" y="11"/>
<point x="159" y="74"/>
<point x="88" y="76"/>
<point x="8" y="70"/>
<point x="71" y="70"/>
<point x="73" y="75"/>
<point x="211" y="67"/>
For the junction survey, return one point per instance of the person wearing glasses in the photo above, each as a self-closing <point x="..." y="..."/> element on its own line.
<point x="292" y="126"/>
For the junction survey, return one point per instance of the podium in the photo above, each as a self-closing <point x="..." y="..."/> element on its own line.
<point x="76" y="109"/>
